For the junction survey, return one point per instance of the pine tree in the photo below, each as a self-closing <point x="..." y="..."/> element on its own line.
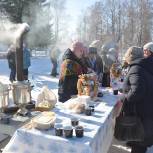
<point x="15" y="8"/>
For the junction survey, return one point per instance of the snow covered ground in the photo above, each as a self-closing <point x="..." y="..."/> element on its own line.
<point x="39" y="74"/>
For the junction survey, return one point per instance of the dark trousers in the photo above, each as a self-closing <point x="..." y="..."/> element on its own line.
<point x="54" y="67"/>
<point x="12" y="74"/>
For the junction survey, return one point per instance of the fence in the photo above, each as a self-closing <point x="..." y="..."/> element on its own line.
<point x="39" y="53"/>
<point x="3" y="55"/>
<point x="34" y="53"/>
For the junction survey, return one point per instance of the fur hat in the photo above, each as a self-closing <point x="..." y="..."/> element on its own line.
<point x="133" y="53"/>
<point x="149" y="46"/>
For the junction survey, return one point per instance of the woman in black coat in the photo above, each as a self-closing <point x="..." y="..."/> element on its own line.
<point x="138" y="90"/>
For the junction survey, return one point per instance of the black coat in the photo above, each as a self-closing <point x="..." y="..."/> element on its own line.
<point x="71" y="68"/>
<point x="138" y="88"/>
<point x="98" y="66"/>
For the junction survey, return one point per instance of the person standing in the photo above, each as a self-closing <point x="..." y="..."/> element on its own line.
<point x="109" y="56"/>
<point x="55" y="52"/>
<point x="95" y="63"/>
<point x="84" y="60"/>
<point x="11" y="57"/>
<point x="26" y="61"/>
<point x="71" y="68"/>
<point x="138" y="93"/>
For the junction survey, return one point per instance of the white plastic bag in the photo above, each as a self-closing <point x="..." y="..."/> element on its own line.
<point x="46" y="98"/>
<point x="75" y="105"/>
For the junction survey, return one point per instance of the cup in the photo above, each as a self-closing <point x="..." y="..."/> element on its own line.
<point x="115" y="92"/>
<point x="58" y="129"/>
<point x="88" y="111"/>
<point x="79" y="131"/>
<point x="68" y="131"/>
<point x="74" y="121"/>
<point x="92" y="107"/>
<point x="100" y="94"/>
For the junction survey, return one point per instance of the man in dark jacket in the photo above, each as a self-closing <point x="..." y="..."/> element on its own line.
<point x="95" y="63"/>
<point x="71" y="68"/>
<point x="138" y="89"/>
<point x="11" y="57"/>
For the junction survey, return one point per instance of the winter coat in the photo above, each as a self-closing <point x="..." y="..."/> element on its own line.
<point x="107" y="63"/>
<point x="26" y="58"/>
<point x="71" y="68"/>
<point x="84" y="61"/>
<point x="54" y="54"/>
<point x="138" y="89"/>
<point x="11" y="57"/>
<point x="97" y="64"/>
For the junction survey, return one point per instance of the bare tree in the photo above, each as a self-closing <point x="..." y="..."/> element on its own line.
<point x="57" y="9"/>
<point x="124" y="22"/>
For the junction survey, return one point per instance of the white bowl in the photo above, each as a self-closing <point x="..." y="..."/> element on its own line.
<point x="43" y="122"/>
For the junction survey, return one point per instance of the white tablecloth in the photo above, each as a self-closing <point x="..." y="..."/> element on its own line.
<point x="97" y="136"/>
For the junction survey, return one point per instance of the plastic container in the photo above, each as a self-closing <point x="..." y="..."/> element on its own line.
<point x="58" y="129"/>
<point x="79" y="131"/>
<point x="68" y="131"/>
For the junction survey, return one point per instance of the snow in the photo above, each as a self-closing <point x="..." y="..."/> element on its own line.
<point x="39" y="75"/>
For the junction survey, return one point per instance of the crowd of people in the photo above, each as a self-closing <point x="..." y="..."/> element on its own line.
<point x="77" y="60"/>
<point x="80" y="59"/>
<point x="137" y="83"/>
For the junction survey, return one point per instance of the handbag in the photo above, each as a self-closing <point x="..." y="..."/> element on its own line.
<point x="128" y="127"/>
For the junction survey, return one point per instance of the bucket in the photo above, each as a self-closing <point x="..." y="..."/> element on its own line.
<point x="4" y="98"/>
<point x="21" y="92"/>
<point x="4" y="95"/>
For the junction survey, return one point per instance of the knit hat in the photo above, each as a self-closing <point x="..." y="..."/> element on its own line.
<point x="148" y="46"/>
<point x="133" y="53"/>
